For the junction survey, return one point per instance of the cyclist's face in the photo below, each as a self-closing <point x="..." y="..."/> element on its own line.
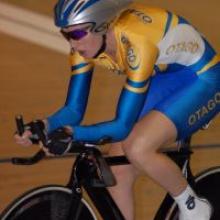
<point x="82" y="41"/>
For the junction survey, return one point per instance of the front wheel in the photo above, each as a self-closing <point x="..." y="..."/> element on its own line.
<point x="46" y="203"/>
<point x="207" y="186"/>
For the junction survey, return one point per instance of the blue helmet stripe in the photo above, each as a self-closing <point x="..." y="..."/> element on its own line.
<point x="88" y="4"/>
<point x="58" y="11"/>
<point x="59" y="7"/>
<point x="69" y="9"/>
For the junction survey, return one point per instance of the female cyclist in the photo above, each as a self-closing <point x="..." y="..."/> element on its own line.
<point x="172" y="89"/>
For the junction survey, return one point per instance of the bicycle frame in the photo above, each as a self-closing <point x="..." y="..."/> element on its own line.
<point x="88" y="173"/>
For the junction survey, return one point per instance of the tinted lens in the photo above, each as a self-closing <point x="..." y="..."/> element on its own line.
<point x="75" y="35"/>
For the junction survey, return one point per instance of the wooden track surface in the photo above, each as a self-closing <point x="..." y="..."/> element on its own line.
<point x="33" y="82"/>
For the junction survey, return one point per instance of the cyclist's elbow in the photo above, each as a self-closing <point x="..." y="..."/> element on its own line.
<point x="123" y="131"/>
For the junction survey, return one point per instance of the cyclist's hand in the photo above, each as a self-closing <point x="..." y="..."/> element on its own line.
<point x="59" y="141"/>
<point x="24" y="139"/>
<point x="29" y="136"/>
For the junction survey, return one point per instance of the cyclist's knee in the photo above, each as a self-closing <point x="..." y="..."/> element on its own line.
<point x="124" y="172"/>
<point x="136" y="148"/>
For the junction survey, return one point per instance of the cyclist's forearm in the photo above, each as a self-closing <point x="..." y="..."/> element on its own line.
<point x="65" y="116"/>
<point x="107" y="130"/>
<point x="129" y="107"/>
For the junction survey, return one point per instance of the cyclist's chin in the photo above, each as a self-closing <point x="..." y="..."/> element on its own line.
<point x="86" y="54"/>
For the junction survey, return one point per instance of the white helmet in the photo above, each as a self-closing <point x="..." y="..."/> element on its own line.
<point x="98" y="13"/>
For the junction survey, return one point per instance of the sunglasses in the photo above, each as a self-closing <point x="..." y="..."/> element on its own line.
<point x="76" y="35"/>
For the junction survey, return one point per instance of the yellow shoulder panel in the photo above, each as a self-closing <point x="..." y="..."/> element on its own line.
<point x="146" y="21"/>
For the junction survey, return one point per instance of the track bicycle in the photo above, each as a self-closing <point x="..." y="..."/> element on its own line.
<point x="91" y="172"/>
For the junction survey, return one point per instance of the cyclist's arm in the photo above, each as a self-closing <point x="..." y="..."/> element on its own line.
<point x="131" y="99"/>
<point x="73" y="111"/>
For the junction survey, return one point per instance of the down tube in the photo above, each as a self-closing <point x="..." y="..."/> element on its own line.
<point x="104" y="203"/>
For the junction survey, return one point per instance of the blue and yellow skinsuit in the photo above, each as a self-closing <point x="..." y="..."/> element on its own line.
<point x="170" y="67"/>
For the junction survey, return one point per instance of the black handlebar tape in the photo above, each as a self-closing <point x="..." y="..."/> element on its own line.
<point x="29" y="160"/>
<point x="40" y="133"/>
<point x="20" y="124"/>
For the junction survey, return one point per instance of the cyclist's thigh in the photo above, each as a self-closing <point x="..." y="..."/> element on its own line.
<point x="193" y="105"/>
<point x="163" y="85"/>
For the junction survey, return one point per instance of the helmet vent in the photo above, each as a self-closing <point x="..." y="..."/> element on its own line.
<point x="79" y="6"/>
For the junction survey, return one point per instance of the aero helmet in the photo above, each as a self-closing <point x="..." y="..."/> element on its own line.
<point x="98" y="13"/>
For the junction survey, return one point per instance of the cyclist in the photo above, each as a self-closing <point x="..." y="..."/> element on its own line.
<point x="172" y="89"/>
